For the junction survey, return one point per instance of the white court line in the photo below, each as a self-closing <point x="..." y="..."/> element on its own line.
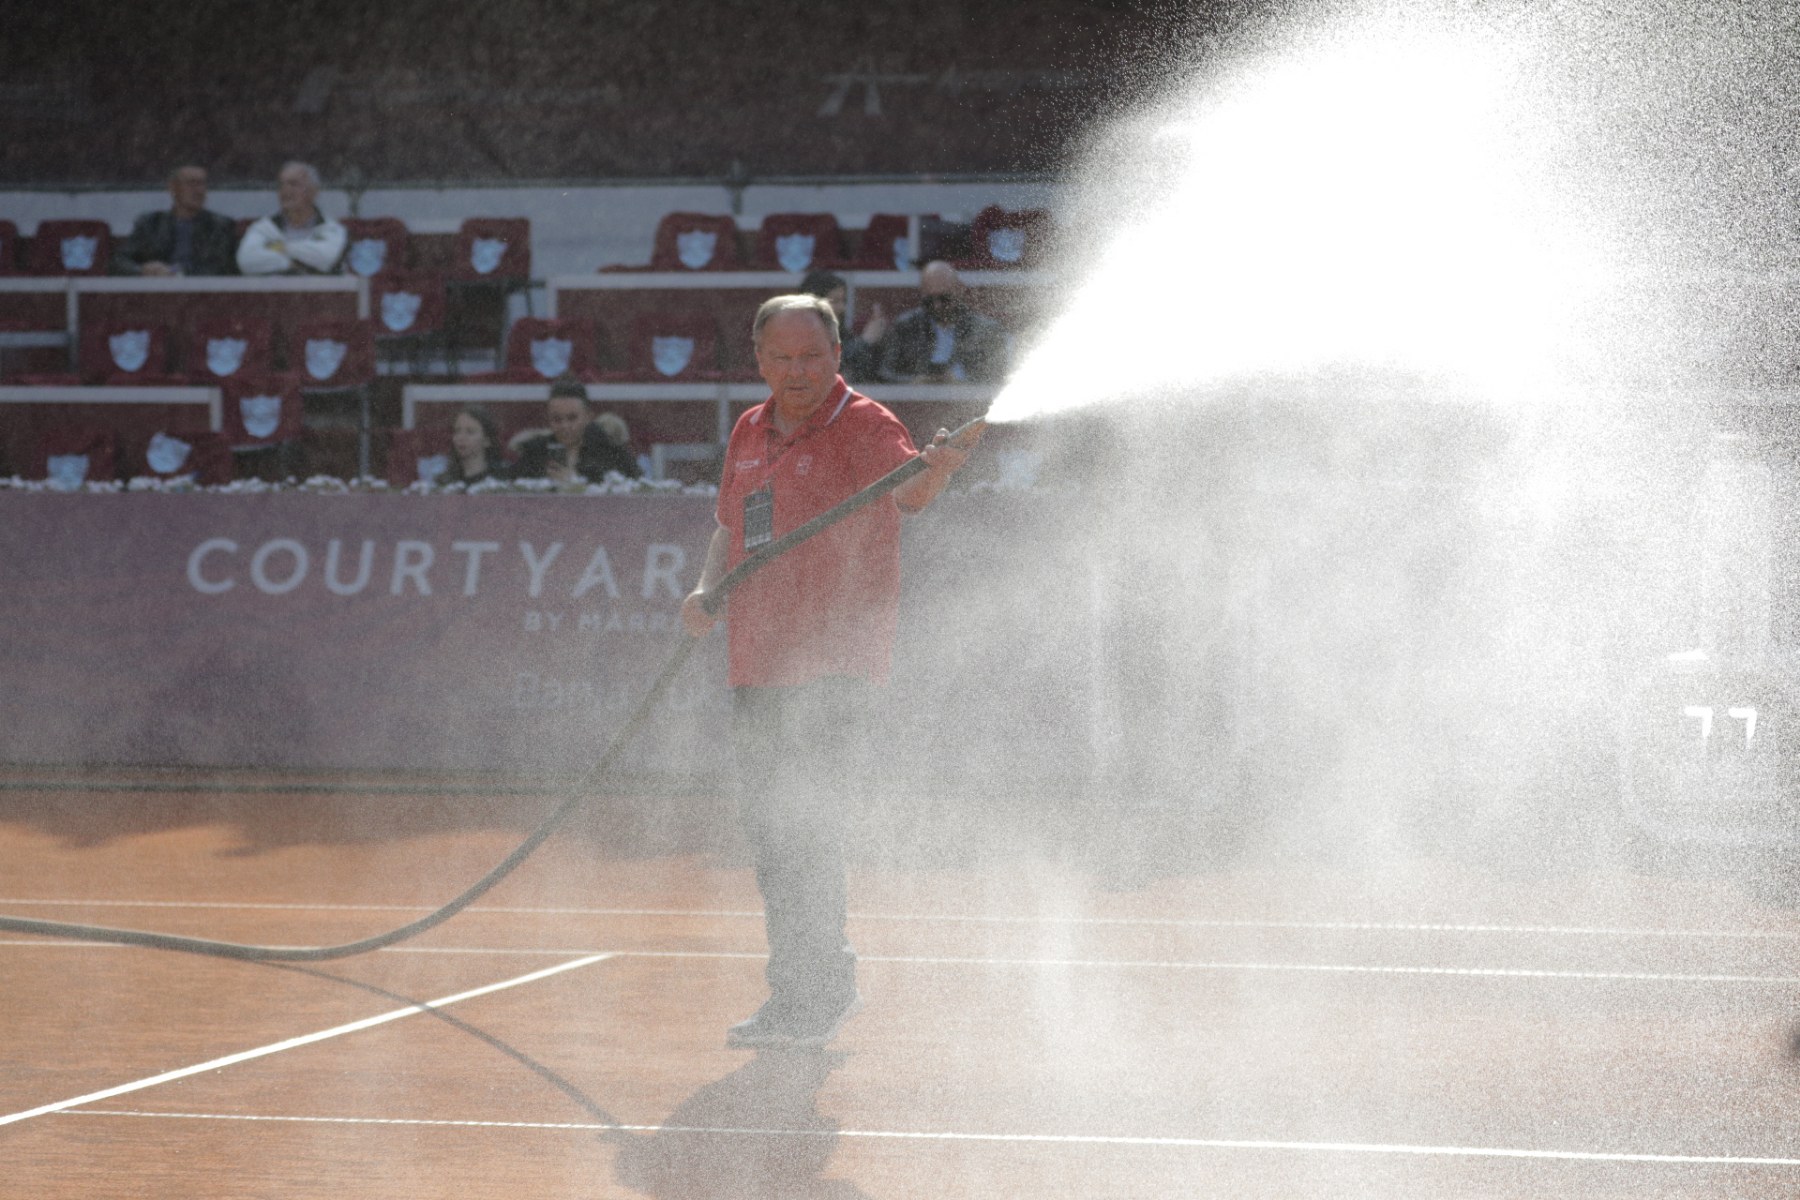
<point x="965" y="918"/>
<point x="294" y="1043"/>
<point x="1102" y="963"/>
<point x="1731" y="1160"/>
<point x="1327" y="968"/>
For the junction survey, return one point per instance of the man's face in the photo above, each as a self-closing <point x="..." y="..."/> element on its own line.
<point x="568" y="419"/>
<point x="798" y="361"/>
<point x="187" y="189"/>
<point x="294" y="190"/>
<point x="839" y="299"/>
<point x="940" y="292"/>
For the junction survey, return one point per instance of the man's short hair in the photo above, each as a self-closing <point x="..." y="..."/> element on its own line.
<point x="776" y="305"/>
<point x="567" y="387"/>
<point x="306" y="169"/>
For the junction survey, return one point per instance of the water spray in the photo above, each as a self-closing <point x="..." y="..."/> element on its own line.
<point x="964" y="438"/>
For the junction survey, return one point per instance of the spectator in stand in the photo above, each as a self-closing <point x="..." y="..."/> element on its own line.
<point x="578" y="443"/>
<point x="299" y="239"/>
<point x="862" y="350"/>
<point x="474" y="448"/>
<point x="187" y="239"/>
<point x="943" y="340"/>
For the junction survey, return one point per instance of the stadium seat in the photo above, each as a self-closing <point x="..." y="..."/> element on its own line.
<point x="407" y="303"/>
<point x="417" y="455"/>
<point x="163" y="455"/>
<point x="1000" y="239"/>
<point x="798" y="242"/>
<point x="409" y="311"/>
<point x="261" y="410"/>
<point x="375" y="246"/>
<point x="115" y="354"/>
<point x="9" y="249"/>
<point x="71" y="248"/>
<point x="223" y="348"/>
<point x="885" y="245"/>
<point x="695" y="242"/>
<point x="493" y="249"/>
<point x="71" y="455"/>
<point x="671" y="347"/>
<point x="539" y="349"/>
<point x="331" y="355"/>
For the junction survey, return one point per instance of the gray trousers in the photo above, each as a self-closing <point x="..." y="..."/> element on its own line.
<point x="801" y="753"/>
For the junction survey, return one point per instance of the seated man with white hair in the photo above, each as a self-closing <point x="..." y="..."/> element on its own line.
<point x="299" y="239"/>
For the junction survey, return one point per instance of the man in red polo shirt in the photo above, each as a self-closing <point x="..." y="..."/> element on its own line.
<point x="809" y="634"/>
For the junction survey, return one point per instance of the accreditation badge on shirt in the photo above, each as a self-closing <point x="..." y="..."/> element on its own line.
<point x="759" y="517"/>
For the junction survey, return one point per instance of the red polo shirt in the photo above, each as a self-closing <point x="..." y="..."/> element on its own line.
<point x="830" y="605"/>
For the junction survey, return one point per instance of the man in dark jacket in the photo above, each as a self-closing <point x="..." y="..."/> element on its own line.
<point x="943" y="340"/>
<point x="577" y="443"/>
<point x="184" y="240"/>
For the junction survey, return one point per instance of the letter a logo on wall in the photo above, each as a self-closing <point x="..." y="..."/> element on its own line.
<point x="324" y="356"/>
<point x="550" y="356"/>
<point x="485" y="254"/>
<point x="166" y="454"/>
<point x="261" y="414"/>
<point x="367" y="255"/>
<point x="671" y="355"/>
<point x="78" y="253"/>
<point x="399" y="310"/>
<point x="225" y="355"/>
<point x="695" y="247"/>
<point x="794" y="251"/>
<point x="130" y="349"/>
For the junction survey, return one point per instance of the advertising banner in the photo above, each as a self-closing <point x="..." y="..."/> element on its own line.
<point x="499" y="632"/>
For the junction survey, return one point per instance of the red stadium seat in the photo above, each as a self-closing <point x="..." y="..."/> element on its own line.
<point x="162" y="455"/>
<point x="10" y="260"/>
<point x="119" y="353"/>
<point x="416" y="455"/>
<point x="406" y="303"/>
<point x="539" y="349"/>
<point x="375" y="246"/>
<point x="332" y="355"/>
<point x="225" y="348"/>
<point x="671" y="347"/>
<point x="695" y="242"/>
<point x="493" y="249"/>
<point x="71" y="455"/>
<point x="71" y="248"/>
<point x="1000" y="239"/>
<point x="798" y="242"/>
<point x="885" y="245"/>
<point x="261" y="410"/>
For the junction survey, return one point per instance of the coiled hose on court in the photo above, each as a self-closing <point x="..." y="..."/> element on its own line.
<point x="579" y="793"/>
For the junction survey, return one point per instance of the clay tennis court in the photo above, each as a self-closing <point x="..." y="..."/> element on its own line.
<point x="1033" y="1029"/>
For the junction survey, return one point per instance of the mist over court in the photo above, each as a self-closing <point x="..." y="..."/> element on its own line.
<point x="1340" y="730"/>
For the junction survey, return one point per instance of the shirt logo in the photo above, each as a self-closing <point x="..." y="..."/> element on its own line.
<point x="803" y="464"/>
<point x="749" y="464"/>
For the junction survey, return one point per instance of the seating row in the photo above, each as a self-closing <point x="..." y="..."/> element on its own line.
<point x="656" y="347"/>
<point x="483" y="249"/>
<point x="997" y="239"/>
<point x="498" y="249"/>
